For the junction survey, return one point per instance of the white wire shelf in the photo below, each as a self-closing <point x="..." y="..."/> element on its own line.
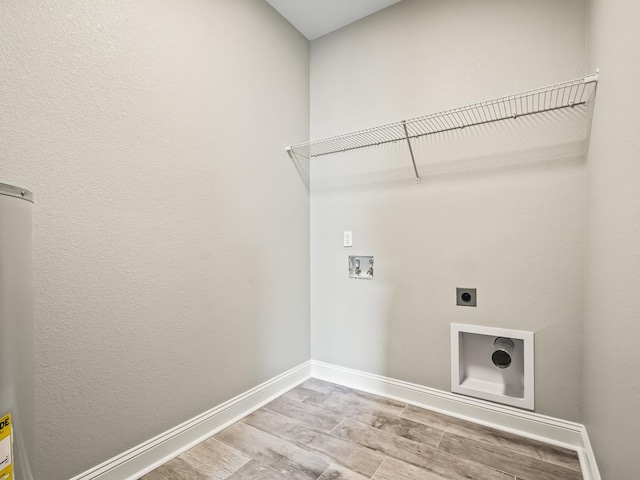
<point x="545" y="99"/>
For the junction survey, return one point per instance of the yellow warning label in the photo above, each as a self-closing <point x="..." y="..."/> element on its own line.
<point x="6" y="448"/>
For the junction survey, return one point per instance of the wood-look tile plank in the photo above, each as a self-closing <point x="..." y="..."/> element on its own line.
<point x="298" y="394"/>
<point x="334" y="450"/>
<point x="392" y="406"/>
<point x="402" y="427"/>
<point x="305" y="413"/>
<point x="525" y="446"/>
<point x="154" y="475"/>
<point x="255" y="471"/>
<point x="293" y="469"/>
<point x="347" y="393"/>
<point x="347" y="403"/>
<point x="392" y="469"/>
<point x="321" y="386"/>
<point x="176" y="469"/>
<point x="434" y="461"/>
<point x="559" y="456"/>
<point x="269" y="450"/>
<point x="214" y="459"/>
<point x="522" y="466"/>
<point x="382" y="441"/>
<point x="338" y="472"/>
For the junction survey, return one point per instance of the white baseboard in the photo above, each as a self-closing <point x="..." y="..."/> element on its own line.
<point x="528" y="424"/>
<point x="149" y="455"/>
<point x="588" y="463"/>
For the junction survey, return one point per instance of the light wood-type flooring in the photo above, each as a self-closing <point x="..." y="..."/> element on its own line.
<point x="323" y="431"/>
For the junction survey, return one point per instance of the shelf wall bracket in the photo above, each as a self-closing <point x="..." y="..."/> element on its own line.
<point x="413" y="159"/>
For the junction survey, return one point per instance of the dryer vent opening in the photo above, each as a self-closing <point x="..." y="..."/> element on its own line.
<point x="502" y="352"/>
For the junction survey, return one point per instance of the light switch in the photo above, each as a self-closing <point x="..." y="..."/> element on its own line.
<point x="348" y="239"/>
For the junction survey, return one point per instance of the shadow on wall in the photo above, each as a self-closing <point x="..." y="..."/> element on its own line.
<point x="303" y="167"/>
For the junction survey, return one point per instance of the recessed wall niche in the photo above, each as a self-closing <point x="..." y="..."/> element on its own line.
<point x="493" y="364"/>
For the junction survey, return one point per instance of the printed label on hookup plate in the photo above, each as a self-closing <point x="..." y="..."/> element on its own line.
<point x="6" y="448"/>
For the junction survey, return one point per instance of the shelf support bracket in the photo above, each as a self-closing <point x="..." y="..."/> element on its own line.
<point x="304" y="176"/>
<point x="413" y="160"/>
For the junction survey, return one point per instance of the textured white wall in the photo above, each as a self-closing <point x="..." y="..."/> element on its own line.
<point x="171" y="231"/>
<point x="612" y="329"/>
<point x="500" y="208"/>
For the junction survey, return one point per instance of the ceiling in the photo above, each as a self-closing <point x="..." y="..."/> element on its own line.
<point x="314" y="18"/>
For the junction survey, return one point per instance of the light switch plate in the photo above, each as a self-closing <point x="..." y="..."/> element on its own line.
<point x="348" y="239"/>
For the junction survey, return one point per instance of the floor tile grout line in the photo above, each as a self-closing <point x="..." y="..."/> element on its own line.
<point x="355" y="391"/>
<point x="369" y="408"/>
<point x="379" y="466"/>
<point x="231" y="447"/>
<point x="306" y="388"/>
<point x="325" y="471"/>
<point x="294" y="399"/>
<point x="339" y="423"/>
<point x="403" y="410"/>
<point x="320" y="391"/>
<point x="315" y="429"/>
<point x="240" y="454"/>
<point x="241" y="466"/>
<point x="440" y="441"/>
<point x="266" y="407"/>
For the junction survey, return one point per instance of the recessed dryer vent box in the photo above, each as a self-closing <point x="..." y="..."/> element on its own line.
<point x="494" y="364"/>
